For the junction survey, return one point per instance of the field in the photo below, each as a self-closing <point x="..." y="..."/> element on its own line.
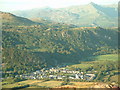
<point x="34" y="84"/>
<point x="51" y="84"/>
<point x="22" y="83"/>
<point x="86" y="85"/>
<point x="112" y="57"/>
<point x="82" y="66"/>
<point x="83" y="84"/>
<point x="101" y="59"/>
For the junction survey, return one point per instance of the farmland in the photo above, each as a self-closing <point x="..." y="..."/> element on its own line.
<point x="50" y="84"/>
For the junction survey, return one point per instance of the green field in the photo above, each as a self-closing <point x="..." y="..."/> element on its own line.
<point x="112" y="57"/>
<point x="101" y="59"/>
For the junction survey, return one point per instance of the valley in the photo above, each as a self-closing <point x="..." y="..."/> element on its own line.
<point x="51" y="52"/>
<point x="77" y="76"/>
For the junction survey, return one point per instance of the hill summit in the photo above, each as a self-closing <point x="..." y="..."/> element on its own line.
<point x="8" y="18"/>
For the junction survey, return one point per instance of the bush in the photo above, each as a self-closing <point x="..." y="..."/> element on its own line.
<point x="64" y="83"/>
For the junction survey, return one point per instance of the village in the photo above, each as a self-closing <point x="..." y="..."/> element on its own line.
<point x="58" y="73"/>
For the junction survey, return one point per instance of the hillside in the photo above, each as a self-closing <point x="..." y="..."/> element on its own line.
<point x="82" y="15"/>
<point x="8" y="18"/>
<point x="28" y="48"/>
<point x="105" y="66"/>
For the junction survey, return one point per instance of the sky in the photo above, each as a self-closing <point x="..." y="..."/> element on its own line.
<point x="12" y="5"/>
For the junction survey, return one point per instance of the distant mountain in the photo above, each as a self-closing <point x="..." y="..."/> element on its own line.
<point x="82" y="15"/>
<point x="8" y="18"/>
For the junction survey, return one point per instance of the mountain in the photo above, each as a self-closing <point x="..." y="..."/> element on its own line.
<point x="82" y="15"/>
<point x="29" y="48"/>
<point x="8" y="18"/>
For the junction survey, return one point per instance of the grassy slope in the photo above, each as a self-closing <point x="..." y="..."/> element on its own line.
<point x="113" y="57"/>
<point x="102" y="59"/>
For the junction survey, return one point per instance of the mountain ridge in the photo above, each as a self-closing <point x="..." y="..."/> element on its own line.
<point x="90" y="15"/>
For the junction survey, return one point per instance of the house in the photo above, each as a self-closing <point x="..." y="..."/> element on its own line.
<point x="41" y="77"/>
<point x="89" y="76"/>
<point x="38" y="72"/>
<point x="81" y="76"/>
<point x="71" y="77"/>
<point x="34" y="72"/>
<point x="76" y="76"/>
<point x="59" y="77"/>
